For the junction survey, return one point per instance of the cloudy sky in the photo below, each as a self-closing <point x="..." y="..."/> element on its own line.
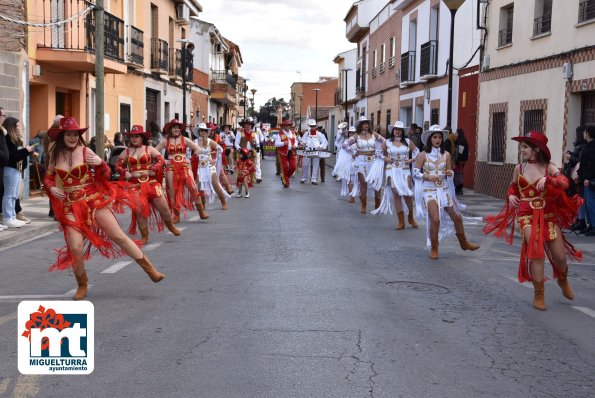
<point x="277" y="38"/>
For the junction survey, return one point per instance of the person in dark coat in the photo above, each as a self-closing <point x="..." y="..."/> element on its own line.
<point x="586" y="178"/>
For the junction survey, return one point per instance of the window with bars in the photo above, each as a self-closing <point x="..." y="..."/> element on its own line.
<point x="498" y="139"/>
<point x="435" y="116"/>
<point x="533" y="121"/>
<point x="388" y="121"/>
<point x="542" y="23"/>
<point x="506" y="18"/>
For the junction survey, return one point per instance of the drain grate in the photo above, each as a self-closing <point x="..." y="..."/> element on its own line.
<point x="420" y="287"/>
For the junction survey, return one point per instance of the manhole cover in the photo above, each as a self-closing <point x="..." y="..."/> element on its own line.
<point x="420" y="287"/>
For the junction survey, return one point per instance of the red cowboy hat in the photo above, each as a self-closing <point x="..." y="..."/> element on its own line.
<point x="174" y="122"/>
<point x="137" y="129"/>
<point x="287" y="123"/>
<point x="537" y="139"/>
<point x="66" y="124"/>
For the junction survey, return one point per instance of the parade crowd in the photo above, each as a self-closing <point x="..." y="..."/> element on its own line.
<point x="161" y="175"/>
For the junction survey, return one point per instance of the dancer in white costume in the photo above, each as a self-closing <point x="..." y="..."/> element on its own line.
<point x="313" y="140"/>
<point x="399" y="153"/>
<point x="207" y="166"/>
<point x="348" y="176"/>
<point x="435" y="192"/>
<point x="368" y="163"/>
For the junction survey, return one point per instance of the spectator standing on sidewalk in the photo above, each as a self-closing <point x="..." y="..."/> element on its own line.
<point x="571" y="172"/>
<point x="18" y="155"/>
<point x="3" y="156"/>
<point x="586" y="177"/>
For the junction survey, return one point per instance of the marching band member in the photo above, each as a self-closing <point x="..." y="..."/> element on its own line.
<point x="314" y="140"/>
<point x="365" y="152"/>
<point x="178" y="171"/>
<point x="537" y="198"/>
<point x="209" y="155"/>
<point x="228" y="139"/>
<point x="142" y="166"/>
<point x="286" y="142"/>
<point x="244" y="169"/>
<point x="434" y="192"/>
<point x="82" y="195"/>
<point x="399" y="153"/>
<point x="245" y="138"/>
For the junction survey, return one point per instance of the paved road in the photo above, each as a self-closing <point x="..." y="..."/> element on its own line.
<point x="293" y="293"/>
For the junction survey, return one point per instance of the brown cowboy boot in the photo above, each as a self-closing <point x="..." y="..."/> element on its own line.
<point x="221" y="197"/>
<point x="172" y="228"/>
<point x="363" y="206"/>
<point x="201" y="210"/>
<point x="83" y="286"/>
<point x="176" y="216"/>
<point x="146" y="265"/>
<point x="563" y="283"/>
<point x="144" y="233"/>
<point x="412" y="220"/>
<point x="377" y="201"/>
<point x="538" y="298"/>
<point x="463" y="242"/>
<point x="401" y="217"/>
<point x="434" y="243"/>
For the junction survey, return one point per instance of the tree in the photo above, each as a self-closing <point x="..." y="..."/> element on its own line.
<point x="268" y="112"/>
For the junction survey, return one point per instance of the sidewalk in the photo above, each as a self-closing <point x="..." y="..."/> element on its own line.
<point x="36" y="209"/>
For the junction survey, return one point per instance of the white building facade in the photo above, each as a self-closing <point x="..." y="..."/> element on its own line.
<point x="538" y="73"/>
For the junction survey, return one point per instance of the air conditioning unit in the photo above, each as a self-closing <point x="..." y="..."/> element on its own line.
<point x="567" y="71"/>
<point x="182" y="14"/>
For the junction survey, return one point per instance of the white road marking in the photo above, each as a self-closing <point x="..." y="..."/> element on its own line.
<point x="195" y="218"/>
<point x="8" y="318"/>
<point x="37" y="296"/>
<point x="182" y="228"/>
<point x="515" y="280"/>
<point x="152" y="246"/>
<point x="586" y="311"/>
<point x="116" y="267"/>
<point x="27" y="386"/>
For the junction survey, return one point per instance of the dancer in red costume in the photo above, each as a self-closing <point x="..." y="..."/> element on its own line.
<point x="142" y="166"/>
<point x="286" y="142"/>
<point x="178" y="172"/>
<point x="537" y="198"/>
<point x="244" y="168"/>
<point x="81" y="194"/>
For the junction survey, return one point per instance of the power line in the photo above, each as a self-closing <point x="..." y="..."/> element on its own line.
<point x="45" y="25"/>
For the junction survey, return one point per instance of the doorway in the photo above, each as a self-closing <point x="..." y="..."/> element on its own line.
<point x="124" y="118"/>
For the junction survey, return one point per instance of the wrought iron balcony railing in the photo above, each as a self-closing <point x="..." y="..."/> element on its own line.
<point x="159" y="55"/>
<point x="428" y="63"/>
<point x="586" y="10"/>
<point x="408" y="67"/>
<point x="542" y="25"/>
<point x="175" y="64"/>
<point x="505" y="37"/>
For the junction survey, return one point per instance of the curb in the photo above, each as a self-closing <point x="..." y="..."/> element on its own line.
<point x="26" y="233"/>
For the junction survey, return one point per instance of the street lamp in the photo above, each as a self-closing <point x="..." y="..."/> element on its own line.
<point x="185" y="47"/>
<point x="346" y="70"/>
<point x="300" y="126"/>
<point x="453" y="6"/>
<point x="316" y="90"/>
<point x="253" y="91"/>
<point x="245" y="89"/>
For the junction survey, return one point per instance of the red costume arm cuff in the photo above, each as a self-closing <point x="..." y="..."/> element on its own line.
<point x="103" y="170"/>
<point x="121" y="168"/>
<point x="513" y="189"/>
<point x="159" y="164"/>
<point x="49" y="180"/>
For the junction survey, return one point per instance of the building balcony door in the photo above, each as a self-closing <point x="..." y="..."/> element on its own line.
<point x="124" y="118"/>
<point x="151" y="106"/>
<point x="64" y="104"/>
<point x="588" y="109"/>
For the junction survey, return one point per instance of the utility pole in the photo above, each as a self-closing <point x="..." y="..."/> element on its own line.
<point x="99" y="77"/>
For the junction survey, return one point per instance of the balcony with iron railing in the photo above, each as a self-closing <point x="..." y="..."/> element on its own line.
<point x="175" y="64"/>
<point x="505" y="37"/>
<point x="542" y="25"/>
<point x="586" y="10"/>
<point x="159" y="56"/>
<point x="223" y="87"/>
<point x="71" y="45"/>
<point x="408" y="67"/>
<point x="428" y="63"/>
<point x="136" y="44"/>
<point x="338" y="97"/>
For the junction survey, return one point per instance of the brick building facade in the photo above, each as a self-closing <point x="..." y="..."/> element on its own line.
<point x="13" y="38"/>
